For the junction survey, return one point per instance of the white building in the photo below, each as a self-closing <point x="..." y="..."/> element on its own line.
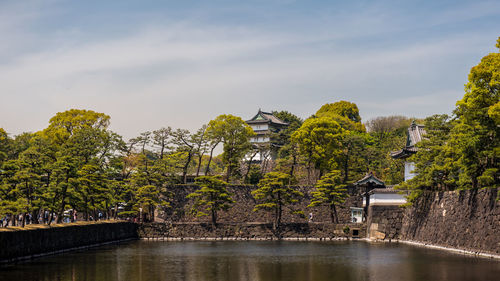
<point x="265" y="124"/>
<point x="415" y="134"/>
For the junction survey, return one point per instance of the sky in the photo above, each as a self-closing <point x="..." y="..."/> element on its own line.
<point x="152" y="64"/>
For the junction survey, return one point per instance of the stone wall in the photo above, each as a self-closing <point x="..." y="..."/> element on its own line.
<point x="467" y="220"/>
<point x="19" y="244"/>
<point x="250" y="230"/>
<point x="242" y="210"/>
<point x="384" y="221"/>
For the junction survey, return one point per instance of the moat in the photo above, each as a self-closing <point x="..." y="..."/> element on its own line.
<point x="255" y="260"/>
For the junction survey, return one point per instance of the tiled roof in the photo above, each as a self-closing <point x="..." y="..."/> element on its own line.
<point x="273" y="118"/>
<point x="415" y="135"/>
<point x="370" y="178"/>
<point x="386" y="190"/>
<point x="266" y="117"/>
<point x="403" y="153"/>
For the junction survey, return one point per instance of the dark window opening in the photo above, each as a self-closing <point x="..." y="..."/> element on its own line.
<point x="355" y="232"/>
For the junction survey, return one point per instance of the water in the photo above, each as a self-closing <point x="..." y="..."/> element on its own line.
<point x="255" y="260"/>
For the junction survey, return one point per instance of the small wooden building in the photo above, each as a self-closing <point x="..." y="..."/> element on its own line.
<point x="368" y="183"/>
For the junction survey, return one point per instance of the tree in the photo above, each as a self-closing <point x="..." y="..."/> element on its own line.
<point x="288" y="151"/>
<point x="90" y="187"/>
<point x="214" y="135"/>
<point x="476" y="133"/>
<point x="65" y="124"/>
<point x="235" y="135"/>
<point x="385" y="125"/>
<point x="342" y="108"/>
<point x="330" y="191"/>
<point x="345" y="113"/>
<point x="354" y="159"/>
<point x="211" y="197"/>
<point x="148" y="199"/>
<point x="462" y="152"/>
<point x="388" y="134"/>
<point x="147" y="189"/>
<point x="319" y="140"/>
<point x="28" y="177"/>
<point x="202" y="144"/>
<point x="80" y="137"/>
<point x="4" y="145"/>
<point x="283" y="137"/>
<point x="12" y="201"/>
<point x="183" y="140"/>
<point x="274" y="193"/>
<point x="436" y="163"/>
<point x="161" y="139"/>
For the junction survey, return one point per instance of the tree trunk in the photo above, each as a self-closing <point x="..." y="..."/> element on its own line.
<point x="245" y="179"/>
<point x="346" y="165"/>
<point x="152" y="212"/>
<point x="51" y="217"/>
<point x="279" y="209"/>
<point x="207" y="170"/>
<point x="309" y="172"/>
<point x="115" y="215"/>
<point x="294" y="162"/>
<point x="61" y="210"/>
<point x="214" y="217"/>
<point x="34" y="217"/>
<point x="185" y="168"/>
<point x="229" y="166"/>
<point x="333" y="214"/>
<point x="199" y="165"/>
<point x="63" y="200"/>
<point x="162" y="149"/>
<point x="86" y="209"/>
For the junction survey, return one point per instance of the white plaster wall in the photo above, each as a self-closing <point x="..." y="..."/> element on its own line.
<point x="409" y="168"/>
<point x="386" y="199"/>
<point x="260" y="127"/>
<point x="259" y="139"/>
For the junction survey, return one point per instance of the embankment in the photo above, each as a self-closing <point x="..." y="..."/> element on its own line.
<point x="27" y="243"/>
<point x="467" y="220"/>
<point x="249" y="231"/>
<point x="242" y="209"/>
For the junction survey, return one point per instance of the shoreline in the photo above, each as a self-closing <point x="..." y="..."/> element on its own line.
<point x="452" y="250"/>
<point x="7" y="262"/>
<point x="316" y="239"/>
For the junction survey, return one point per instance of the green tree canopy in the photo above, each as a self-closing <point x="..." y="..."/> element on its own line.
<point x="476" y="133"/>
<point x="212" y="197"/>
<point x="345" y="109"/>
<point x="274" y="193"/>
<point x="345" y="113"/>
<point x="67" y="123"/>
<point x="235" y="135"/>
<point x="319" y="141"/>
<point x="462" y="152"/>
<point x="330" y="191"/>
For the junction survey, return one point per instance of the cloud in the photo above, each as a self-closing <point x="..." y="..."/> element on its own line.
<point x="184" y="73"/>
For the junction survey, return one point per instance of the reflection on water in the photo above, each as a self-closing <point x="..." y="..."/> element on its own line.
<point x="255" y="261"/>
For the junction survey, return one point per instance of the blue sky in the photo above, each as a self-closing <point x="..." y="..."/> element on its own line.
<point x="150" y="64"/>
